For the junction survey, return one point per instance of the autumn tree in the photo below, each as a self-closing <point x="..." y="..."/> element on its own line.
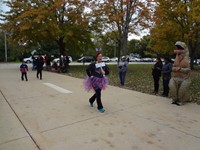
<point x="177" y="20"/>
<point x="34" y="22"/>
<point x="124" y="17"/>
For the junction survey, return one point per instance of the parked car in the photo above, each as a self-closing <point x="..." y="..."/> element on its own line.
<point x="86" y="59"/>
<point x="147" y="59"/>
<point x="114" y="59"/>
<point x="30" y="59"/>
<point x="57" y="60"/>
<point x="134" y="59"/>
<point x="105" y="59"/>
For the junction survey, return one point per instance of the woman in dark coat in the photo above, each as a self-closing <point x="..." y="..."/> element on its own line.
<point x="156" y="73"/>
<point x="39" y="66"/>
<point x="166" y="73"/>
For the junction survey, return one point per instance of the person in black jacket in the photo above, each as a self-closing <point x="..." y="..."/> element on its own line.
<point x="166" y="73"/>
<point x="156" y="73"/>
<point x="96" y="80"/>
<point x="39" y="66"/>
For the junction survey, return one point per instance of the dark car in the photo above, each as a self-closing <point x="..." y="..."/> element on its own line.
<point x="86" y="59"/>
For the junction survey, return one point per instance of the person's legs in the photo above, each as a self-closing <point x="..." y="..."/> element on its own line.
<point x="40" y="74"/>
<point x="167" y="87"/>
<point x="22" y="76"/>
<point x="164" y="87"/>
<point x="92" y="99"/>
<point x="120" y="78"/>
<point x="123" y="77"/>
<point x="25" y="74"/>
<point x="183" y="94"/>
<point x="156" y="83"/>
<point x="173" y="84"/>
<point x="98" y="96"/>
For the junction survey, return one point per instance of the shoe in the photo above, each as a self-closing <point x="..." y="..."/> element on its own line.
<point x="155" y="92"/>
<point x="91" y="104"/>
<point x="176" y="103"/>
<point x="163" y="95"/>
<point x="101" y="110"/>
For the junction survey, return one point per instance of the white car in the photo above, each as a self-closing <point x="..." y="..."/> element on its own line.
<point x="28" y="60"/>
<point x="147" y="59"/>
<point x="134" y="59"/>
<point x="114" y="59"/>
<point x="105" y="59"/>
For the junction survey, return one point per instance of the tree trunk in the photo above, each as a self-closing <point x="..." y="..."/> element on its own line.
<point x="192" y="53"/>
<point x="118" y="49"/>
<point x="61" y="46"/>
<point x="124" y="44"/>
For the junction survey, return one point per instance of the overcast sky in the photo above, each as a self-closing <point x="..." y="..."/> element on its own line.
<point x="3" y="6"/>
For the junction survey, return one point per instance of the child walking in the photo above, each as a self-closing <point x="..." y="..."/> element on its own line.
<point x="24" y="69"/>
<point x="96" y="80"/>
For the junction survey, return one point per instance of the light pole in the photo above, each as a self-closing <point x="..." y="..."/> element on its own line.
<point x="5" y="46"/>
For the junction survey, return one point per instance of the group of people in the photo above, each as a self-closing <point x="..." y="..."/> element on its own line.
<point x="65" y="65"/>
<point x="159" y="69"/>
<point x="176" y="85"/>
<point x="38" y="65"/>
<point x="96" y="75"/>
<point x="179" y="83"/>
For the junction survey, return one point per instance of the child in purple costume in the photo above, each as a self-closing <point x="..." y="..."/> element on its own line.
<point x="96" y="80"/>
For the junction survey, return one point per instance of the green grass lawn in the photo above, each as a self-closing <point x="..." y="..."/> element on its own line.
<point x="139" y="78"/>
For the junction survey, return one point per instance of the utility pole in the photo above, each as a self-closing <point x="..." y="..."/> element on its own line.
<point x="5" y="38"/>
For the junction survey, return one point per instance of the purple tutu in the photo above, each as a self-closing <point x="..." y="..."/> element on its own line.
<point x="95" y="83"/>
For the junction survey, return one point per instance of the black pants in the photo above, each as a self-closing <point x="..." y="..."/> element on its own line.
<point x="97" y="96"/>
<point x="39" y="72"/>
<point x="165" y="87"/>
<point x="24" y="74"/>
<point x="156" y="83"/>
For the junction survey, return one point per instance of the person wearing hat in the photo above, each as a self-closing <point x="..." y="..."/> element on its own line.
<point x="166" y="73"/>
<point x="156" y="73"/>
<point x="123" y="66"/>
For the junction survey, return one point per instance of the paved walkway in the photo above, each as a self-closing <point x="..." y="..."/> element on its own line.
<point x="53" y="114"/>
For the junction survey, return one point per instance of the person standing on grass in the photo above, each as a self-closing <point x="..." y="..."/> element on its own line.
<point x="39" y="66"/>
<point x="123" y="66"/>
<point x="156" y="73"/>
<point x="166" y="72"/>
<point x="96" y="80"/>
<point x="24" y="69"/>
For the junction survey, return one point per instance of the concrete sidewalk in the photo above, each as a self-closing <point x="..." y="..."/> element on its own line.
<point x="35" y="116"/>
